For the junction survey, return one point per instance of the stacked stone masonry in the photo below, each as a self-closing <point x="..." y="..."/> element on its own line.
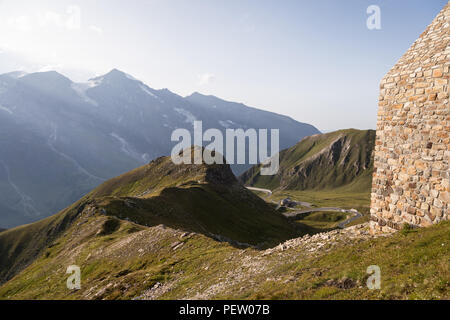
<point x="411" y="180"/>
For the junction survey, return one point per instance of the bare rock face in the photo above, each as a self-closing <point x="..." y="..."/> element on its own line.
<point x="220" y="174"/>
<point x="411" y="182"/>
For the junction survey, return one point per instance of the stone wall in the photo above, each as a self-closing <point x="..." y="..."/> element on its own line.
<point x="411" y="180"/>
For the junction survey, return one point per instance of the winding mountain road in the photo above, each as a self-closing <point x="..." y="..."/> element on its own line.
<point x="296" y="214"/>
<point x="269" y="192"/>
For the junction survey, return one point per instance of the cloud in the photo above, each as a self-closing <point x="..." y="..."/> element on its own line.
<point x="50" y="68"/>
<point x="205" y="79"/>
<point x="73" y="19"/>
<point x="70" y="20"/>
<point x="50" y="18"/>
<point x="246" y="23"/>
<point x="96" y="29"/>
<point x="21" y="23"/>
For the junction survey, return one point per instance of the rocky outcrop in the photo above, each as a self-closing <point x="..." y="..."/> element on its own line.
<point x="325" y="241"/>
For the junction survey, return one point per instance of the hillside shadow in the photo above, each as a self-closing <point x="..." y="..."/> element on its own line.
<point x="223" y="214"/>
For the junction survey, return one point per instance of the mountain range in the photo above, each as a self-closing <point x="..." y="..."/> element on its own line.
<point x="60" y="139"/>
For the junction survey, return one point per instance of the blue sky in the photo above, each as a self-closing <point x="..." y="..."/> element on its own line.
<point x="315" y="61"/>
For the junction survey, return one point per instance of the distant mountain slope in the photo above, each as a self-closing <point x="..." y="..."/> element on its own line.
<point x="205" y="199"/>
<point x="21" y="245"/>
<point x="325" y="161"/>
<point x="61" y="139"/>
<point x="238" y="115"/>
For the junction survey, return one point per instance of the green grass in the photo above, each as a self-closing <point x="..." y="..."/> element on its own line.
<point x="323" y="221"/>
<point x="118" y="262"/>
<point x="319" y="199"/>
<point x="232" y="212"/>
<point x="328" y="170"/>
<point x="260" y="194"/>
<point x="203" y="198"/>
<point x="20" y="246"/>
<point x="413" y="265"/>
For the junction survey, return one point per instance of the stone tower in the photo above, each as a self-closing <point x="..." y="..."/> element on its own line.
<point x="411" y="181"/>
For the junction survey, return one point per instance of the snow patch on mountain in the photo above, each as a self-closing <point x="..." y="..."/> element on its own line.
<point x="26" y="201"/>
<point x="146" y="157"/>
<point x="227" y="123"/>
<point x="94" y="82"/>
<point x="190" y="118"/>
<point x="6" y="109"/>
<point x="3" y="87"/>
<point x="16" y="74"/>
<point x="145" y="89"/>
<point x="148" y="91"/>
<point x="50" y="142"/>
<point x="81" y="88"/>
<point x="129" y="76"/>
<point x="126" y="148"/>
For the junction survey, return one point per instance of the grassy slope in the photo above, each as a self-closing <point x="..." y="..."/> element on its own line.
<point x="413" y="265"/>
<point x="323" y="221"/>
<point x="19" y="246"/>
<point x="133" y="258"/>
<point x="129" y="261"/>
<point x="328" y="170"/>
<point x="340" y="159"/>
<point x="203" y="199"/>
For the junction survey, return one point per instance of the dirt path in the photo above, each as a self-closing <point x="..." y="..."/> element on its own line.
<point x="269" y="192"/>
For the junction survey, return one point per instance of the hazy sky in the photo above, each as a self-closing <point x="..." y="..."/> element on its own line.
<point x="315" y="61"/>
